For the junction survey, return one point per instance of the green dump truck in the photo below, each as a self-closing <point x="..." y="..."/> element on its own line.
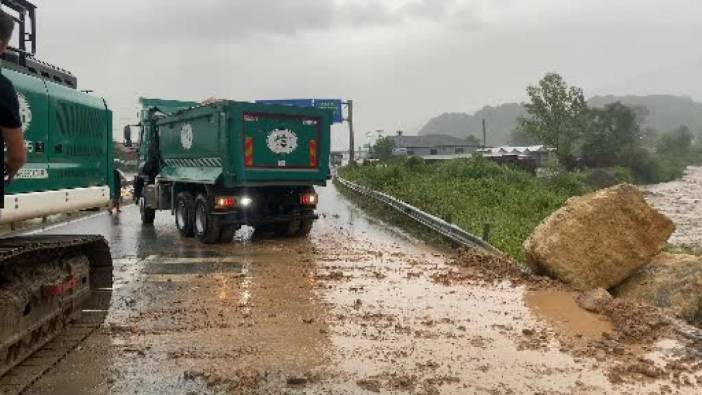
<point x="219" y="166"/>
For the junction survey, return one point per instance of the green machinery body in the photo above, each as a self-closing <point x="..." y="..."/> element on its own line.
<point x="68" y="135"/>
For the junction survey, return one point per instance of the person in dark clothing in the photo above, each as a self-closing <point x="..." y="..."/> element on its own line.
<point x="116" y="192"/>
<point x="10" y="120"/>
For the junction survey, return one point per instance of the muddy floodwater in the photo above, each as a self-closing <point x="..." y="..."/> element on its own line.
<point x="359" y="307"/>
<point x="681" y="200"/>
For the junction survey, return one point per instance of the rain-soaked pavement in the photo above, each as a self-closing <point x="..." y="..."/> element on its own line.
<point x="353" y="309"/>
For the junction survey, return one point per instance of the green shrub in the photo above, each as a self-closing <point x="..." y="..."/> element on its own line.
<point x="622" y="174"/>
<point x="570" y="184"/>
<point x="414" y="162"/>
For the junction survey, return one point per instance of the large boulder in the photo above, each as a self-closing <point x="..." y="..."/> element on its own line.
<point x="598" y="240"/>
<point x="672" y="282"/>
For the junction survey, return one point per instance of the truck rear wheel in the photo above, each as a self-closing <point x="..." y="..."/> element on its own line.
<point x="261" y="230"/>
<point x="207" y="230"/>
<point x="184" y="211"/>
<point x="147" y="214"/>
<point x="305" y="227"/>
<point x="289" y="229"/>
<point x="227" y="233"/>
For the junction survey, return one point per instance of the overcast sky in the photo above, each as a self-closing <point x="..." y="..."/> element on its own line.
<point x="401" y="61"/>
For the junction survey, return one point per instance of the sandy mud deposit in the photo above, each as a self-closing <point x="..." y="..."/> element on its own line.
<point x="681" y="200"/>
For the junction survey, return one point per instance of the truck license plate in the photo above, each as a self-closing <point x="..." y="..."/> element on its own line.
<point x="281" y="163"/>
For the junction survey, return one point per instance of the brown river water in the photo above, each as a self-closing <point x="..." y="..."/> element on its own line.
<point x="681" y="200"/>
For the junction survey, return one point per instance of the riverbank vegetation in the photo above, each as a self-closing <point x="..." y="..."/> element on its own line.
<point x="474" y="192"/>
<point x="604" y="137"/>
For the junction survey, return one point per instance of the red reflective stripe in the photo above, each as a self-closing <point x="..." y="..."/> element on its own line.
<point x="313" y="153"/>
<point x="59" y="289"/>
<point x="249" y="151"/>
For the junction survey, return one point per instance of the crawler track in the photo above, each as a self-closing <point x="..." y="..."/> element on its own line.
<point x="44" y="283"/>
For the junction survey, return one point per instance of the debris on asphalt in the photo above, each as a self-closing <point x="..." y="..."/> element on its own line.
<point x="297" y="380"/>
<point x="492" y="267"/>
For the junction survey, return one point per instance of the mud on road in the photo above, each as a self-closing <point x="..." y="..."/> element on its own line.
<point x="360" y="307"/>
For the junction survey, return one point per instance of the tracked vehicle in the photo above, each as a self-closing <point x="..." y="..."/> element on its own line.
<point x="68" y="134"/>
<point x="226" y="164"/>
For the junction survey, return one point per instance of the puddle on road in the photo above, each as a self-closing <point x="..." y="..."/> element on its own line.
<point x="560" y="310"/>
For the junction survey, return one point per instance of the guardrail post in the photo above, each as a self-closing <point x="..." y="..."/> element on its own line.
<point x="486" y="233"/>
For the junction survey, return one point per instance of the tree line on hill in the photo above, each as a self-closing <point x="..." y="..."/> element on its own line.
<point x="651" y="137"/>
<point x="603" y="137"/>
<point x="659" y="114"/>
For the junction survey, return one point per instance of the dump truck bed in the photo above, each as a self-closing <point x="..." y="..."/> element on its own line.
<point x="246" y="144"/>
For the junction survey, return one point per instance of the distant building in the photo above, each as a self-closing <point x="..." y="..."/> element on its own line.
<point x="540" y="154"/>
<point x="429" y="145"/>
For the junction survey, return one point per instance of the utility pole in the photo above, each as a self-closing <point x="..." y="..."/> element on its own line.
<point x="484" y="135"/>
<point x="349" y="119"/>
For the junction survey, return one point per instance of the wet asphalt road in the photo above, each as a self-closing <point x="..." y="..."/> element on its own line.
<point x="352" y="309"/>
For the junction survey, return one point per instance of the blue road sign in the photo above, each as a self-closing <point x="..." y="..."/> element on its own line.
<point x="333" y="105"/>
<point x="289" y="102"/>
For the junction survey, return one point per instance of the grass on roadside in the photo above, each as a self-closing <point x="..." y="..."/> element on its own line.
<point x="473" y="192"/>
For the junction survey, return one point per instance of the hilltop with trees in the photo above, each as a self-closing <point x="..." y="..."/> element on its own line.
<point x="656" y="114"/>
<point x="604" y="137"/>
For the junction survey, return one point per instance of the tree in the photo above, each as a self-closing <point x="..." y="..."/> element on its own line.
<point x="519" y="137"/>
<point x="677" y="142"/>
<point x="383" y="147"/>
<point x="613" y="135"/>
<point x="557" y="114"/>
<point x="472" y="140"/>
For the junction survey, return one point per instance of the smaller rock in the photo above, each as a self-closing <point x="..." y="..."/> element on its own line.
<point x="672" y="282"/>
<point x="369" y="385"/>
<point x="297" y="380"/>
<point x="594" y="300"/>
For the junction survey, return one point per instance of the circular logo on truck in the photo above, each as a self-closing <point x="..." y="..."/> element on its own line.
<point x="282" y="141"/>
<point x="25" y="111"/>
<point x="186" y="136"/>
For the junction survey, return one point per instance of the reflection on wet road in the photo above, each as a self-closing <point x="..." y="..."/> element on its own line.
<point x="353" y="309"/>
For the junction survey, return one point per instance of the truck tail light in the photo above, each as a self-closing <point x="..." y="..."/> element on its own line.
<point x="224" y="202"/>
<point x="248" y="157"/>
<point x="313" y="153"/>
<point x="309" y="199"/>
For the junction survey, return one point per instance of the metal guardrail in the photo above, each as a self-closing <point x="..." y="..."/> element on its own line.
<point x="436" y="224"/>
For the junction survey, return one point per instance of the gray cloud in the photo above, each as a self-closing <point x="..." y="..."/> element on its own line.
<point x="169" y="21"/>
<point x="402" y="61"/>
